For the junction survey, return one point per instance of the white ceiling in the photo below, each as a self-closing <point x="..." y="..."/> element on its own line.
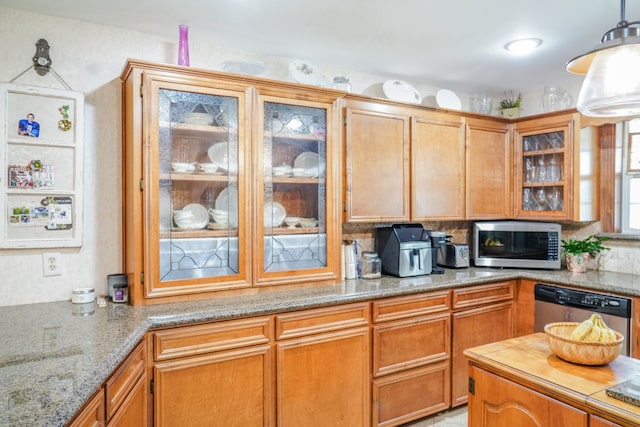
<point x="446" y="43"/>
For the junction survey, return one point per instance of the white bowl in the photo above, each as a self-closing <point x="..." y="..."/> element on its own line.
<point x="183" y="214"/>
<point x="292" y="221"/>
<point x="281" y="170"/>
<point x="219" y="216"/>
<point x="298" y="171"/>
<point x="183" y="167"/>
<point x="184" y="222"/>
<point x="208" y="167"/>
<point x="308" y="222"/>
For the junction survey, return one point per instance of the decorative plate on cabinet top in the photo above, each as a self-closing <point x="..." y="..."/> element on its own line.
<point x="219" y="153"/>
<point x="200" y="215"/>
<point x="397" y="90"/>
<point x="249" y="68"/>
<point x="448" y="100"/>
<point x="274" y="214"/>
<point x="305" y="72"/>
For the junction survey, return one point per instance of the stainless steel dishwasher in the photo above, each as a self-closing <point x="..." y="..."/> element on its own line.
<point x="556" y="304"/>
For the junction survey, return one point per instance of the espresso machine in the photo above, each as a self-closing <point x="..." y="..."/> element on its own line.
<point x="405" y="250"/>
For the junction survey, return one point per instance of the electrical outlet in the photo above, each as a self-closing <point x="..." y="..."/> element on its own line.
<point x="51" y="264"/>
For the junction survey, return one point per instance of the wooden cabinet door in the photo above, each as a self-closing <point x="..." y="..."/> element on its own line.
<point x="376" y="164"/>
<point x="296" y="168"/>
<point x="437" y="167"/>
<point x="133" y="410"/>
<point x="93" y="414"/>
<point x="488" y="170"/>
<point x="228" y="388"/>
<point x="471" y="328"/>
<point x="323" y="380"/>
<point x="497" y="402"/>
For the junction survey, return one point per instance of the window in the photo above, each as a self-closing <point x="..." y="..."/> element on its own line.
<point x="630" y="171"/>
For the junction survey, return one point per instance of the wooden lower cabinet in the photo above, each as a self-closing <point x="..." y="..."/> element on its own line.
<point x="92" y="415"/>
<point x="411" y="348"/>
<point x="133" y="411"/>
<point x="122" y="400"/>
<point x="498" y="402"/>
<point x="218" y="374"/>
<point x="408" y="395"/>
<point x="323" y="373"/>
<point x="228" y="388"/>
<point x="485" y="314"/>
<point x="323" y="380"/>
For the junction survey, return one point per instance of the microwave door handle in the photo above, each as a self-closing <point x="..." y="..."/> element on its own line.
<point x="418" y="254"/>
<point x="411" y="260"/>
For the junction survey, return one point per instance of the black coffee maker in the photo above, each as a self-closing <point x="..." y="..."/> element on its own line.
<point x="438" y="244"/>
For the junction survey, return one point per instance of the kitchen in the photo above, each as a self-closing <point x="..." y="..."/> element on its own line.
<point x="97" y="74"/>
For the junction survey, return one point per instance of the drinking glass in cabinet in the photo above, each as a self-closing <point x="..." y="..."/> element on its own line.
<point x="197" y="151"/>
<point x="294" y="187"/>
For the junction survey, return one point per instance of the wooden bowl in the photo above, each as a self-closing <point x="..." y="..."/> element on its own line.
<point x="580" y="352"/>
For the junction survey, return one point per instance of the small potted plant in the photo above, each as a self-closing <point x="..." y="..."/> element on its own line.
<point x="510" y="105"/>
<point x="578" y="252"/>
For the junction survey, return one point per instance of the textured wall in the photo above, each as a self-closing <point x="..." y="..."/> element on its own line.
<point x="90" y="59"/>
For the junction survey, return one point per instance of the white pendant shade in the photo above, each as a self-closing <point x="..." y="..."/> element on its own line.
<point x="612" y="84"/>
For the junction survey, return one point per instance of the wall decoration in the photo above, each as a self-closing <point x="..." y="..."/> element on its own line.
<point x="41" y="148"/>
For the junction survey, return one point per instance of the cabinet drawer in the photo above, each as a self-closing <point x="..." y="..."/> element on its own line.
<point x="482" y="294"/>
<point x="410" y="343"/>
<point x="410" y="306"/>
<point x="199" y="339"/>
<point x="409" y="395"/>
<point x="321" y="320"/>
<point x="122" y="381"/>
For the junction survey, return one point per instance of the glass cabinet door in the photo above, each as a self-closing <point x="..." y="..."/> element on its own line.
<point x="294" y="191"/>
<point x="542" y="166"/>
<point x="196" y="205"/>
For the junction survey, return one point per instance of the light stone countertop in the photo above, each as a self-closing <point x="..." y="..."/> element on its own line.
<point x="53" y="358"/>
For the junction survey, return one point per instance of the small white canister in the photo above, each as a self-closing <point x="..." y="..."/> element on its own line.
<point x="83" y="295"/>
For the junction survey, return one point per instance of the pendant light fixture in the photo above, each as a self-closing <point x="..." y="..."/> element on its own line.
<point x="612" y="84"/>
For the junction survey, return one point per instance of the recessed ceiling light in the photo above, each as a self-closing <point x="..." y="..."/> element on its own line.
<point x="522" y="46"/>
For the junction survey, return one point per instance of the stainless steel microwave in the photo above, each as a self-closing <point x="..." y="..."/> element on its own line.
<point x="516" y="244"/>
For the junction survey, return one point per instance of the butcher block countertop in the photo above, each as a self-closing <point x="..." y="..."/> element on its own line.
<point x="528" y="361"/>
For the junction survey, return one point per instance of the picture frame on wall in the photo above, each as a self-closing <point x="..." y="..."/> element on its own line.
<point x="41" y="148"/>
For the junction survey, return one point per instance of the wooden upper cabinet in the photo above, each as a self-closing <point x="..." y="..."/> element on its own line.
<point x="488" y="170"/>
<point x="437" y="167"/>
<point x="251" y="153"/>
<point x="376" y="163"/>
<point x="556" y="169"/>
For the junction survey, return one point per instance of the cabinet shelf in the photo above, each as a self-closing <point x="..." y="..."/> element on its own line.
<point x="295" y="180"/>
<point x="550" y="151"/>
<point x="208" y="177"/>
<point x="187" y="234"/>
<point x="543" y="184"/>
<point x="188" y="129"/>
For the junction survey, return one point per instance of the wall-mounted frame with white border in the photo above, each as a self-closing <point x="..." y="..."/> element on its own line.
<point x="41" y="152"/>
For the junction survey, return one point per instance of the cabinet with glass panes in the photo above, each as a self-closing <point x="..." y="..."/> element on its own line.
<point x="544" y="181"/>
<point x="229" y="183"/>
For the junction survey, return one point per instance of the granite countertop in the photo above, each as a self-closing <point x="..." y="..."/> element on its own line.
<point x="529" y="360"/>
<point x="54" y="356"/>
